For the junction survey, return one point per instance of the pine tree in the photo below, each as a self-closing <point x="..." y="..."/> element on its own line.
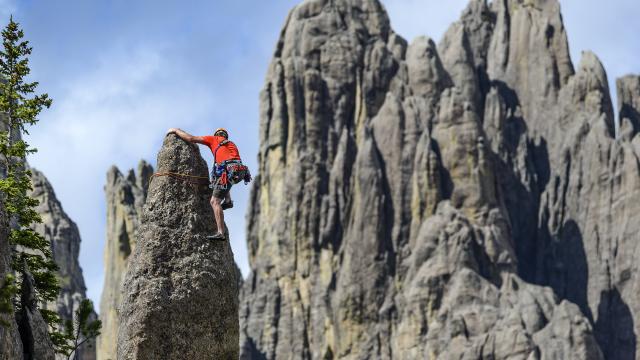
<point x="7" y="292"/>
<point x="81" y="329"/>
<point x="20" y="108"/>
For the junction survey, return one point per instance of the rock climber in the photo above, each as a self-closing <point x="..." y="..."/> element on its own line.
<point x="227" y="171"/>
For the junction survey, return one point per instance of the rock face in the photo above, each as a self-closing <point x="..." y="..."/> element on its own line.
<point x="10" y="342"/>
<point x="23" y="334"/>
<point x="36" y="343"/>
<point x="27" y="336"/>
<point x="629" y="103"/>
<point x="125" y="198"/>
<point x="466" y="200"/>
<point x="589" y="228"/>
<point x="180" y="291"/>
<point x="64" y="237"/>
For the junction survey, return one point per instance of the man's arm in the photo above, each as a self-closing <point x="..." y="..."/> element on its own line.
<point x="186" y="136"/>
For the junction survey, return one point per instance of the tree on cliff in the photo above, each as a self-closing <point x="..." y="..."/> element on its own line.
<point x="80" y="330"/>
<point x="19" y="108"/>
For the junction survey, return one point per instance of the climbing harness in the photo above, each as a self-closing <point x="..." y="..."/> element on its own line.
<point x="228" y="171"/>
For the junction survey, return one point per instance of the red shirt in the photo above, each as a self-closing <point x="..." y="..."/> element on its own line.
<point x="228" y="151"/>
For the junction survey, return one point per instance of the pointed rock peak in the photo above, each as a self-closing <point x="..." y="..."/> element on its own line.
<point x="478" y="21"/>
<point x="454" y="38"/>
<point x="427" y="75"/>
<point x="179" y="156"/>
<point x="458" y="60"/>
<point x="530" y="45"/>
<point x="590" y="64"/>
<point x="41" y="185"/>
<point x="591" y="86"/>
<point x="179" y="282"/>
<point x="124" y="202"/>
<point x="587" y="95"/>
<point x="423" y="46"/>
<point x="475" y="17"/>
<point x="371" y="13"/>
<point x="475" y="8"/>
<point x="131" y="176"/>
<point x="145" y="171"/>
<point x="548" y="6"/>
<point x="113" y="174"/>
<point x="140" y="178"/>
<point x="313" y="22"/>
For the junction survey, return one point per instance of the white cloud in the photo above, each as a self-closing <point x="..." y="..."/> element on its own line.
<point x="117" y="110"/>
<point x="117" y="113"/>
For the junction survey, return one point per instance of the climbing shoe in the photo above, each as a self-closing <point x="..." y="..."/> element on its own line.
<point x="226" y="204"/>
<point x="217" y="236"/>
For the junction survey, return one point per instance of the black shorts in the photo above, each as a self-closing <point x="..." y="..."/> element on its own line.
<point x="220" y="192"/>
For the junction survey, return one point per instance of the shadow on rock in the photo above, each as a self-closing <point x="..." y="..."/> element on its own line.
<point x="615" y="327"/>
<point x="569" y="274"/>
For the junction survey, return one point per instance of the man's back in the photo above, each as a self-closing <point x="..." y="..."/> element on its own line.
<point x="228" y="151"/>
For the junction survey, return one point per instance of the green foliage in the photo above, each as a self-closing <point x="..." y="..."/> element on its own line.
<point x="7" y="292"/>
<point x="59" y="339"/>
<point x="79" y="331"/>
<point x="19" y="107"/>
<point x="14" y="67"/>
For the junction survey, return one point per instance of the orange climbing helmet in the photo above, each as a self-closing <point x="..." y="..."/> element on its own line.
<point x="221" y="132"/>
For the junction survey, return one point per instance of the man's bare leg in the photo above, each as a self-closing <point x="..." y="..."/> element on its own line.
<point x="218" y="213"/>
<point x="227" y="203"/>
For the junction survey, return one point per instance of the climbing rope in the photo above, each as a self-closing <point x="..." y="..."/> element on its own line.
<point x="204" y="180"/>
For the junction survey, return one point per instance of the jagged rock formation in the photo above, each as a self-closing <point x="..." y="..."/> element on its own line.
<point x="26" y="336"/>
<point x="64" y="237"/>
<point x="431" y="191"/>
<point x="180" y="291"/>
<point x="23" y="335"/>
<point x="589" y="228"/>
<point x="125" y="198"/>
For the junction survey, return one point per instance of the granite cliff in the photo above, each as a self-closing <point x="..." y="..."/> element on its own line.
<point x="10" y="341"/>
<point x="64" y="237"/>
<point x="463" y="200"/>
<point x="23" y="332"/>
<point x="125" y="197"/>
<point x="26" y="336"/>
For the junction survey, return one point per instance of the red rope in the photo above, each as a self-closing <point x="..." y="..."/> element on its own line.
<point x="184" y="177"/>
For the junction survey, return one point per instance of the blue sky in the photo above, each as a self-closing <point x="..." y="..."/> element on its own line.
<point x="121" y="72"/>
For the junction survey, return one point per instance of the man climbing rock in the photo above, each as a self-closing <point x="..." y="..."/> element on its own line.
<point x="227" y="171"/>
